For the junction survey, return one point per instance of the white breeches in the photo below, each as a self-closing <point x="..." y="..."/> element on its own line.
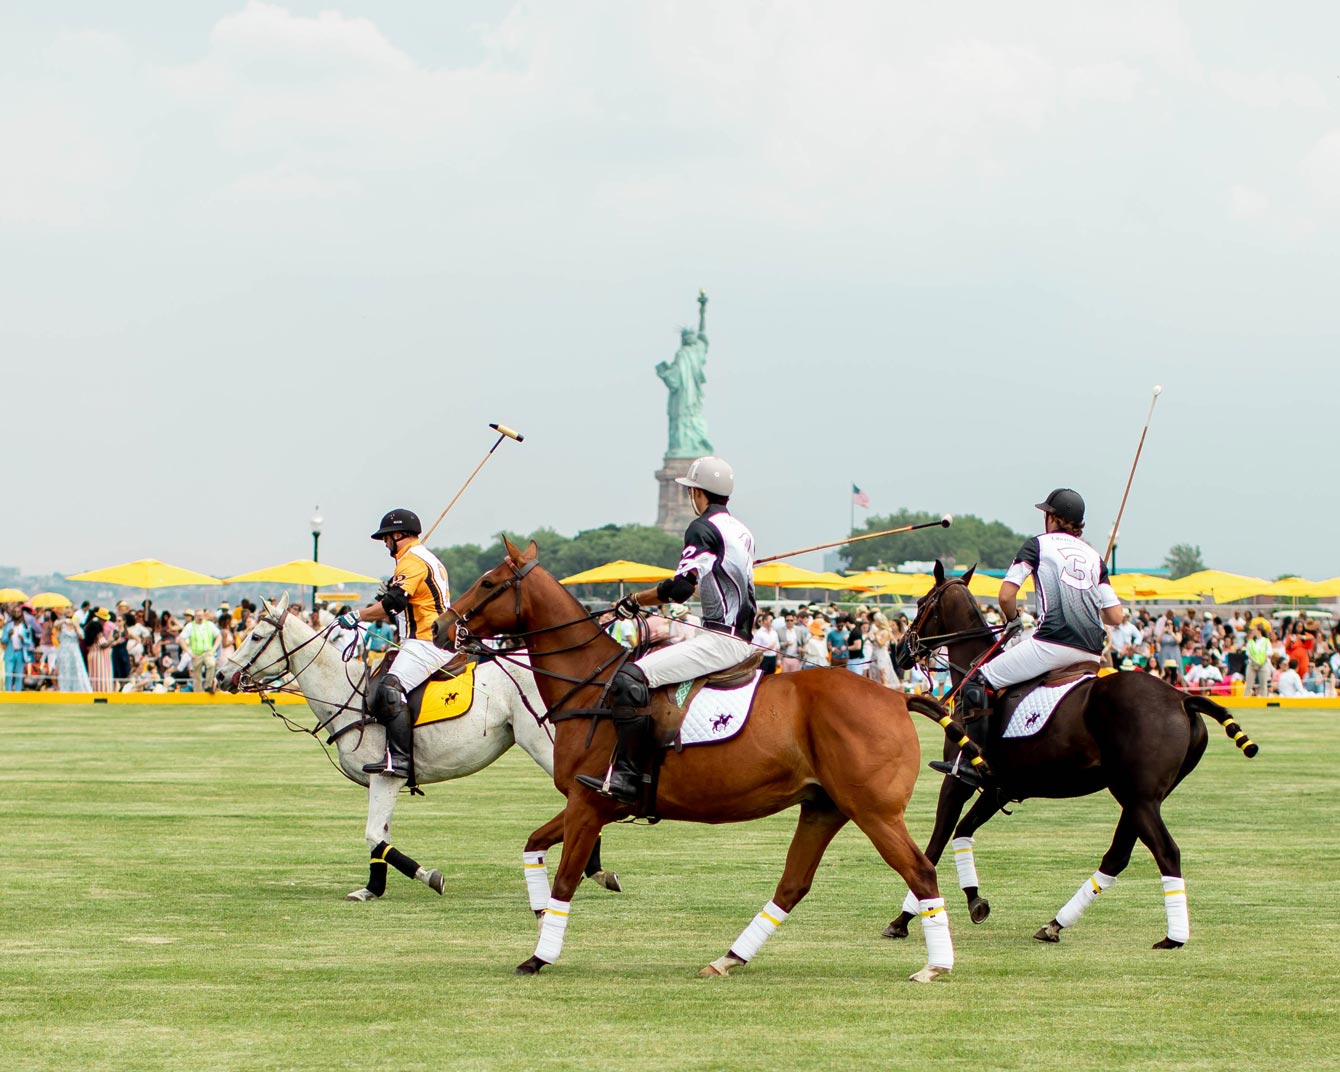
<point x="706" y="652"/>
<point x="417" y="661"/>
<point x="1031" y="658"/>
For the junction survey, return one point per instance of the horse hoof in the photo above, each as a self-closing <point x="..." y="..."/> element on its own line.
<point x="895" y="929"/>
<point x="437" y="882"/>
<point x="978" y="909"/>
<point x="721" y="967"/>
<point x="530" y="967"/>
<point x="607" y="879"/>
<point x="928" y="974"/>
<point x="1168" y="943"/>
<point x="364" y="894"/>
<point x="1050" y="933"/>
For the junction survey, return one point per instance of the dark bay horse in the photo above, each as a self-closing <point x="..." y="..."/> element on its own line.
<point x="1128" y="733"/>
<point x="840" y="746"/>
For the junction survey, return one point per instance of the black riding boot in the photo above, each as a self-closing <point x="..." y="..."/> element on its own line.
<point x="393" y="713"/>
<point x="975" y="725"/>
<point x="623" y="780"/>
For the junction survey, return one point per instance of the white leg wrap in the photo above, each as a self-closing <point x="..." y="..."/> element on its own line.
<point x="935" y="928"/>
<point x="537" y="880"/>
<point x="967" y="866"/>
<point x="552" y="928"/>
<point x="911" y="905"/>
<point x="1174" y="899"/>
<point x="1084" y="896"/>
<point x="762" y="927"/>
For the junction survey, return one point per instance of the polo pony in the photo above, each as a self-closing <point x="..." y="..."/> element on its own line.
<point x="836" y="744"/>
<point x="284" y="648"/>
<point x="1128" y="733"/>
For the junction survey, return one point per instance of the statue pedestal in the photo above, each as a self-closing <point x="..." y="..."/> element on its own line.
<point x="674" y="511"/>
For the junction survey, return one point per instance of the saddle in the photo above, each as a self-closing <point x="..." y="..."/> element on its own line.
<point x="448" y="693"/>
<point x="1008" y="700"/>
<point x="670" y="703"/>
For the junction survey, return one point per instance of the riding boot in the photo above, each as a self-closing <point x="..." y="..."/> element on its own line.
<point x="623" y="781"/>
<point x="975" y="724"/>
<point x="393" y="713"/>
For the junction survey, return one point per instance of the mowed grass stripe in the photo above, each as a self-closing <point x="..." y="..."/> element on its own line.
<point x="173" y="899"/>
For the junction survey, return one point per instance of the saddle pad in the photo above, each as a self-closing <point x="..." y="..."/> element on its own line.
<point x="447" y="699"/>
<point x="718" y="714"/>
<point x="1037" y="707"/>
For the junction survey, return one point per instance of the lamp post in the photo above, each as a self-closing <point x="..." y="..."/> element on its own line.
<point x="316" y="522"/>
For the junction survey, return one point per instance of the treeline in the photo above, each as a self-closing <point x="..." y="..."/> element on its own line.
<point x="969" y="539"/>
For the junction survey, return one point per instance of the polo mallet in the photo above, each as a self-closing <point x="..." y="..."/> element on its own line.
<point x="503" y="433"/>
<point x="943" y="523"/>
<point x="1112" y="539"/>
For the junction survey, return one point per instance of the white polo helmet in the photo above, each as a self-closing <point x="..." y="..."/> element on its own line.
<point x="710" y="474"/>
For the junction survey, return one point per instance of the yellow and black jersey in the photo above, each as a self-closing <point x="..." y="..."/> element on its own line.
<point x="424" y="579"/>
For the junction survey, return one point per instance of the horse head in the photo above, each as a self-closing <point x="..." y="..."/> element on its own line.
<point x="256" y="660"/>
<point x="947" y="610"/>
<point x="480" y="611"/>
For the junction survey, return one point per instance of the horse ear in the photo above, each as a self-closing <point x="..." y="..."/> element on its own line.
<point x="282" y="605"/>
<point x="512" y="552"/>
<point x="971" y="570"/>
<point x="939" y="572"/>
<point x="532" y="551"/>
<point x="266" y="604"/>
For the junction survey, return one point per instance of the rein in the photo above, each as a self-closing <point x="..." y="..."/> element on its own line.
<point x="923" y="648"/>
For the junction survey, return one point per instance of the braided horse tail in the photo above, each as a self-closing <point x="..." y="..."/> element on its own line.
<point x="931" y="708"/>
<point x="1200" y="705"/>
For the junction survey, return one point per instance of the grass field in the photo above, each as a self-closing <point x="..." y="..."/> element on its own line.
<point x="172" y="899"/>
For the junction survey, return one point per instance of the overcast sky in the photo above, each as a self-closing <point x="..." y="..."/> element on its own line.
<point x="256" y="257"/>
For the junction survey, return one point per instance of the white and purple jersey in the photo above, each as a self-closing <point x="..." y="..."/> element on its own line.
<point x="718" y="560"/>
<point x="1072" y="588"/>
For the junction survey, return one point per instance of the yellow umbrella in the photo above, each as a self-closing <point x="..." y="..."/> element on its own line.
<point x="618" y="573"/>
<point x="12" y="595"/>
<point x="874" y="578"/>
<point x="984" y="587"/>
<point x="785" y="575"/>
<point x="1299" y="588"/>
<point x="303" y="571"/>
<point x="145" y="573"/>
<point x="905" y="584"/>
<point x="49" y="599"/>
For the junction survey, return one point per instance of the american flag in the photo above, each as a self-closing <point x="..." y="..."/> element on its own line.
<point x="860" y="498"/>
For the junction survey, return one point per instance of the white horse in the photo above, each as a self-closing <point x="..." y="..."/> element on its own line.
<point x="283" y="647"/>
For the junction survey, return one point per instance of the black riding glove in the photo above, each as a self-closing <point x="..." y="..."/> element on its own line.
<point x="1013" y="628"/>
<point x="626" y="608"/>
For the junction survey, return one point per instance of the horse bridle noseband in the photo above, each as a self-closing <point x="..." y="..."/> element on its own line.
<point x="921" y="648"/>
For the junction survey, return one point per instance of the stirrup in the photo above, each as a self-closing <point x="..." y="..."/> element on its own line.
<point x="957" y="769"/>
<point x="609" y="788"/>
<point x="388" y="768"/>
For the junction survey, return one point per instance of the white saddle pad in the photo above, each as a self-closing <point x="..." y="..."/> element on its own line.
<point x="718" y="714"/>
<point x="1031" y="715"/>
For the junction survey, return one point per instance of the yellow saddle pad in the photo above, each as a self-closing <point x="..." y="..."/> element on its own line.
<point x="447" y="699"/>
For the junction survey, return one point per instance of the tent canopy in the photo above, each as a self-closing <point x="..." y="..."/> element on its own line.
<point x="145" y="573"/>
<point x="303" y="571"/>
<point x="620" y="572"/>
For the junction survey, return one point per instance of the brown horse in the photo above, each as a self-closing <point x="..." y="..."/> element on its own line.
<point x="1128" y="733"/>
<point x="840" y="746"/>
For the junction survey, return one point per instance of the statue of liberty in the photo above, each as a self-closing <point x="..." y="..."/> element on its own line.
<point x="685" y="375"/>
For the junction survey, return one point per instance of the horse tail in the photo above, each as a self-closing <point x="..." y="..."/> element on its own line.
<point x="931" y="708"/>
<point x="1200" y="705"/>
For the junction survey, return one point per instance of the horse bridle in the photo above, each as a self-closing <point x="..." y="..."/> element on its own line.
<point x="920" y="648"/>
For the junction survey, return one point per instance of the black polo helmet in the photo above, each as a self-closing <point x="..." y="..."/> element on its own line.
<point x="398" y="522"/>
<point x="1066" y="504"/>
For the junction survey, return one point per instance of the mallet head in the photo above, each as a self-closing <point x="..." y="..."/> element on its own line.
<point x="510" y="433"/>
<point x="946" y="521"/>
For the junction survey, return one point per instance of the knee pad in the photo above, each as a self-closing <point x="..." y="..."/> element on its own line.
<point x="390" y="698"/>
<point x="629" y="687"/>
<point x="974" y="695"/>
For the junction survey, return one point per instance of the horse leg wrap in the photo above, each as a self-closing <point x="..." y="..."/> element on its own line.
<point x="911" y="904"/>
<point x="967" y="867"/>
<point x="1084" y="896"/>
<point x="397" y="859"/>
<point x="935" y="929"/>
<point x="377" y="877"/>
<point x="1174" y="900"/>
<point x="537" y="880"/>
<point x="552" y="928"/>
<point x="762" y="927"/>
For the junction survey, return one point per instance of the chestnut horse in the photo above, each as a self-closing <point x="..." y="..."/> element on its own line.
<point x="1128" y="733"/>
<point x="840" y="746"/>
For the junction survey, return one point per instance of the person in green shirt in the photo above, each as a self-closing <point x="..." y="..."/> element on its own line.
<point x="1258" y="663"/>
<point x="203" y="640"/>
